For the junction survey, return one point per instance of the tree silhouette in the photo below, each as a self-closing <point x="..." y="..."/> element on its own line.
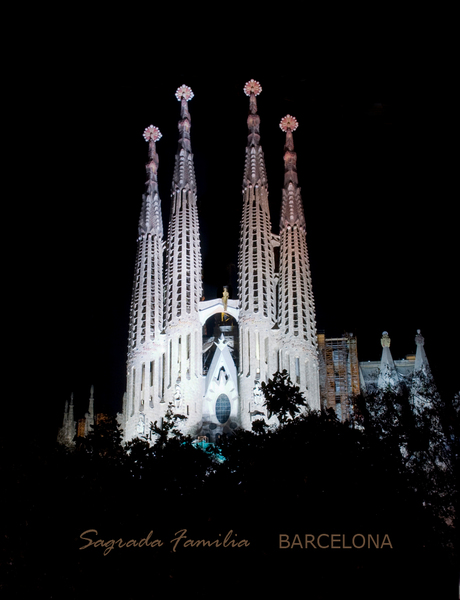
<point x="415" y="426"/>
<point x="282" y="398"/>
<point x="169" y="427"/>
<point x="105" y="440"/>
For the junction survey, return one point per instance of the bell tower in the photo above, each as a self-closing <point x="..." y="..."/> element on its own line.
<point x="146" y="339"/>
<point x="256" y="273"/>
<point x="296" y="308"/>
<point x="183" y="365"/>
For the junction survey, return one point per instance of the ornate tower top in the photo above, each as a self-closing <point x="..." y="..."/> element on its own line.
<point x="151" y="218"/>
<point x="184" y="173"/>
<point x="184" y="92"/>
<point x="252" y="89"/>
<point x="183" y="243"/>
<point x="292" y="209"/>
<point x="288" y="123"/>
<point x="151" y="134"/>
<point x="254" y="172"/>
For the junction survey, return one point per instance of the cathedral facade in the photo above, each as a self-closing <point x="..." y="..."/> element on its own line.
<point x="212" y="375"/>
<point x="208" y="357"/>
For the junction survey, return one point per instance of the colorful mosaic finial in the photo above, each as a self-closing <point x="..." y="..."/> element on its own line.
<point x="252" y="87"/>
<point x="151" y="133"/>
<point x="184" y="92"/>
<point x="288" y="123"/>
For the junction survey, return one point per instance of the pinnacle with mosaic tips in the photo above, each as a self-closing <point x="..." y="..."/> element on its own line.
<point x="184" y="92"/>
<point x="288" y="123"/>
<point x="252" y="87"/>
<point x="152" y="133"/>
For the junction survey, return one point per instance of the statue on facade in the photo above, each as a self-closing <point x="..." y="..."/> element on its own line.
<point x="178" y="395"/>
<point x="419" y="339"/>
<point x="257" y="394"/>
<point x="141" y="425"/>
<point x="385" y="340"/>
<point x="225" y="297"/>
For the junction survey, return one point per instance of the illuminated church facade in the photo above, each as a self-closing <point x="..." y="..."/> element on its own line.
<point x="208" y="357"/>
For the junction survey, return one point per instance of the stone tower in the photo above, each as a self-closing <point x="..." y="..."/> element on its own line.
<point x="66" y="433"/>
<point x="183" y="377"/>
<point x="165" y="346"/>
<point x="256" y="273"/>
<point x="146" y="339"/>
<point x="296" y="309"/>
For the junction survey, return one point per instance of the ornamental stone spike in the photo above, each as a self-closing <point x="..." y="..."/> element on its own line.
<point x="252" y="89"/>
<point x="421" y="361"/>
<point x="184" y="172"/>
<point x="146" y="324"/>
<point x="292" y="208"/>
<point x="256" y="268"/>
<point x="254" y="172"/>
<point x="183" y="331"/>
<point x="296" y="313"/>
<point x="146" y="311"/>
<point x="150" y="220"/>
<point x="387" y="375"/>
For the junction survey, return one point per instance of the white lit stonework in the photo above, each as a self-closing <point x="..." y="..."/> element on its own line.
<point x="296" y="318"/>
<point x="167" y="361"/>
<point x="214" y="377"/>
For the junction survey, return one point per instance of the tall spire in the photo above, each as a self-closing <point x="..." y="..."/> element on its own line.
<point x="256" y="269"/>
<point x="146" y="320"/>
<point x="254" y="171"/>
<point x="150" y="220"/>
<point x="256" y="258"/>
<point x="146" y="324"/>
<point x="90" y="416"/>
<point x="68" y="430"/>
<point x="297" y="310"/>
<point x="184" y="252"/>
<point x="291" y="208"/>
<point x="297" y="319"/>
<point x="183" y="367"/>
<point x="184" y="172"/>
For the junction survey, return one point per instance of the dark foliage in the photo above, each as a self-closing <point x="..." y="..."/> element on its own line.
<point x="311" y="475"/>
<point x="282" y="397"/>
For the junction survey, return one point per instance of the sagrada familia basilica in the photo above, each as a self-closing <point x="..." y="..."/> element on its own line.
<point x="208" y="357"/>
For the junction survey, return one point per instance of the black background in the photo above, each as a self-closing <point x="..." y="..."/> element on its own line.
<point x="374" y="166"/>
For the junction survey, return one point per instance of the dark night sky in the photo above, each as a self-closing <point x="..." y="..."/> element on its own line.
<point x="381" y="252"/>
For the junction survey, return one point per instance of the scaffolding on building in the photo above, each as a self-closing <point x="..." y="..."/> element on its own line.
<point x="339" y="374"/>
